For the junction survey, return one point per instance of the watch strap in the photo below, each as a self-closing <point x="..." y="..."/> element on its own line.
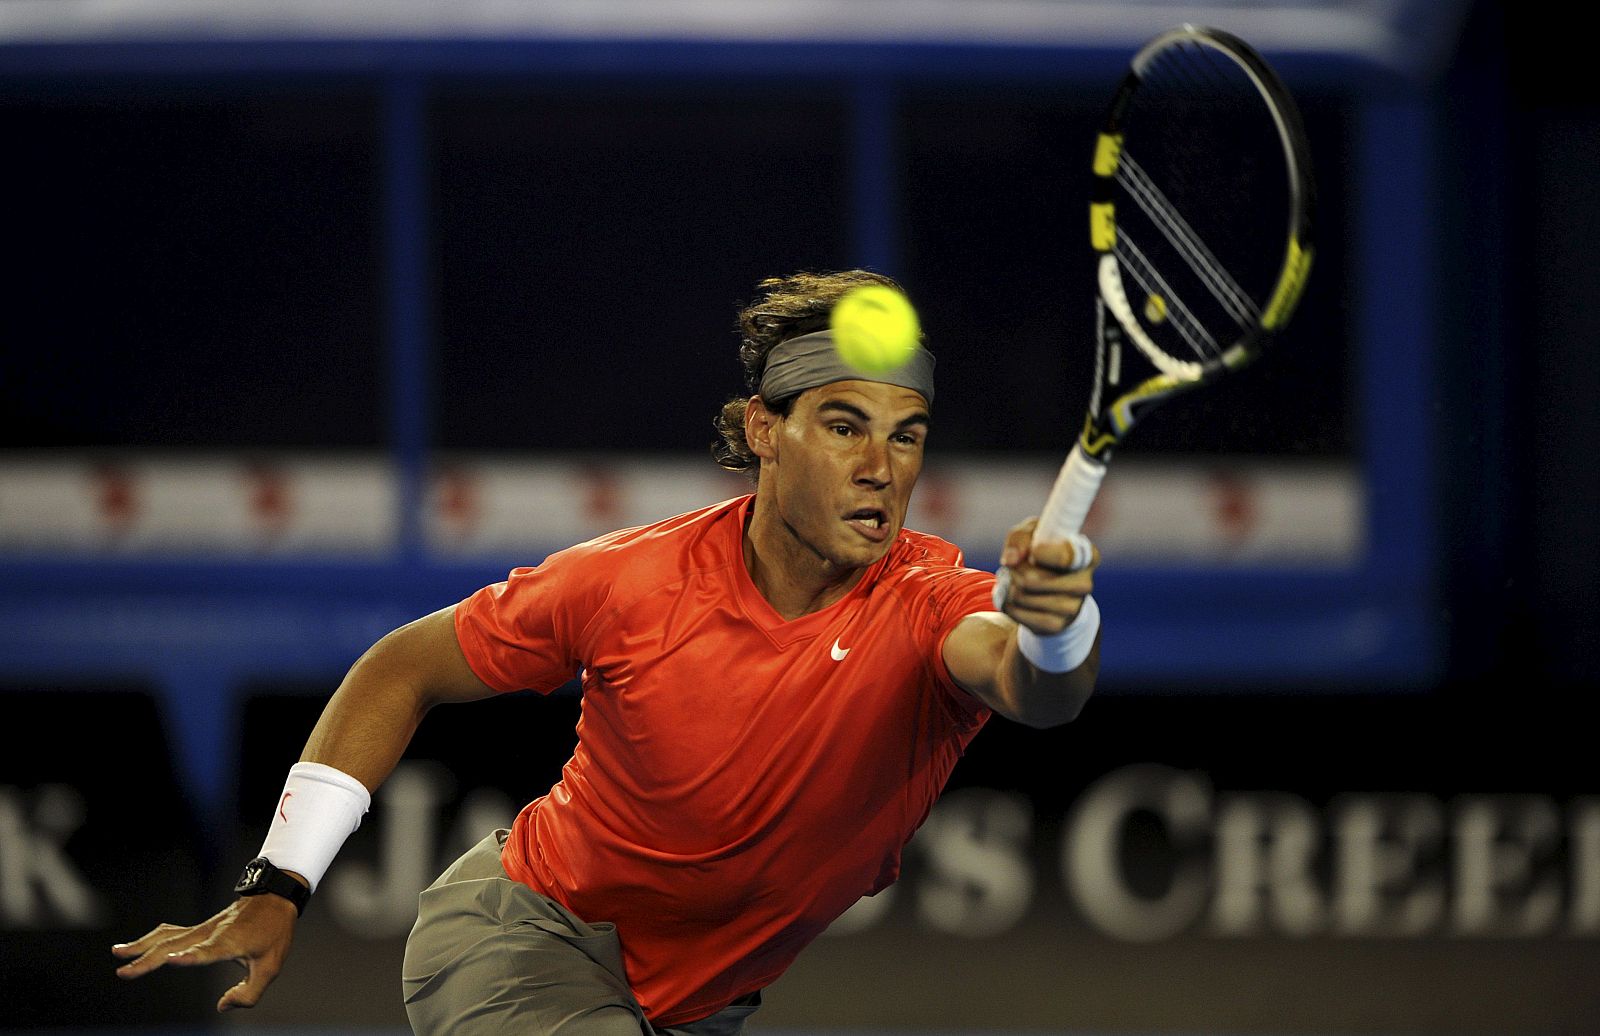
<point x="261" y="876"/>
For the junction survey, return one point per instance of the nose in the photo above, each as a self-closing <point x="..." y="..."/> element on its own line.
<point x="873" y="470"/>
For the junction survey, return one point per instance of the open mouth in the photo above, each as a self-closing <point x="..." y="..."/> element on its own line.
<point x="870" y="522"/>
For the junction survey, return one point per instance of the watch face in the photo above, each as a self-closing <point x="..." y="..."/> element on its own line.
<point x="254" y="871"/>
<point x="261" y="876"/>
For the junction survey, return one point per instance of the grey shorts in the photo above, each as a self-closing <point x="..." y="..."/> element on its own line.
<point x="490" y="955"/>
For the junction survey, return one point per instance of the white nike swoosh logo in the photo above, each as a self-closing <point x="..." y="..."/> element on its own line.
<point x="838" y="652"/>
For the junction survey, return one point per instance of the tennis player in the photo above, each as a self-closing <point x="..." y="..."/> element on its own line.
<point x="775" y="688"/>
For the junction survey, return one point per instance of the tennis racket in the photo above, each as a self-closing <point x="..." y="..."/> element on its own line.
<point x="1201" y="216"/>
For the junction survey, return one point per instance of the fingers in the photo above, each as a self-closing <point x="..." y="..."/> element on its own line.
<point x="1046" y="601"/>
<point x="1018" y="540"/>
<point x="1072" y="553"/>
<point x="255" y="931"/>
<point x="247" y="993"/>
<point x="145" y="941"/>
<point x="158" y="947"/>
<point x="1037" y="586"/>
<point x="1046" y="621"/>
<point x="237" y="996"/>
<point x="1047" y="581"/>
<point x="207" y="951"/>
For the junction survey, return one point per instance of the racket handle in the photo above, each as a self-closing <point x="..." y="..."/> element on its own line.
<point x="1071" y="497"/>
<point x="1064" y="511"/>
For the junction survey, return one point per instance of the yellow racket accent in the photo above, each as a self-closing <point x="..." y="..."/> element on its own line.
<point x="1102" y="226"/>
<point x="1237" y="357"/>
<point x="1107" y="153"/>
<point x="1093" y="447"/>
<point x="1152" y="388"/>
<point x="1292" y="282"/>
<point x="1122" y="412"/>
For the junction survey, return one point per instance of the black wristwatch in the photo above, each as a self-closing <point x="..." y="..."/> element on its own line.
<point x="261" y="876"/>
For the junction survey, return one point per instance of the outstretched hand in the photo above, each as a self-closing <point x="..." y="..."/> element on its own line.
<point x="255" y="931"/>
<point x="1049" y="580"/>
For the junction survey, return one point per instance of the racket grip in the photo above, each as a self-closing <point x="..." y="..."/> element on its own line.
<point x="1064" y="511"/>
<point x="1071" y="497"/>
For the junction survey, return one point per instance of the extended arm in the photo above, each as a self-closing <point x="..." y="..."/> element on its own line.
<point x="363" y="732"/>
<point x="371" y="718"/>
<point x="1047" y="596"/>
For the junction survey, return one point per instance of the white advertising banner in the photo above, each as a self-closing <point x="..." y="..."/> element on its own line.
<point x="1215" y="511"/>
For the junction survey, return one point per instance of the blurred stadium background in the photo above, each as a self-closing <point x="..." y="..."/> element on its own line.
<point x="318" y="316"/>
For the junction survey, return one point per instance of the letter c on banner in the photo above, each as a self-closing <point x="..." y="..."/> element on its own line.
<point x="1092" y="853"/>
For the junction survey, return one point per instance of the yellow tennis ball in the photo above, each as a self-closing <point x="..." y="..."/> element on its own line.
<point x="875" y="329"/>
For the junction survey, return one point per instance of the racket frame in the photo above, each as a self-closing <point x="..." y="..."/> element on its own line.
<point x="1104" y="428"/>
<point x="1106" y="423"/>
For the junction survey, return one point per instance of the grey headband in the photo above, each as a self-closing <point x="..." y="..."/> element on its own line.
<point x="811" y="360"/>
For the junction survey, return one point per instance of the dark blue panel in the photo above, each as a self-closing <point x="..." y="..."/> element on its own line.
<point x="658" y="58"/>
<point x="407" y="288"/>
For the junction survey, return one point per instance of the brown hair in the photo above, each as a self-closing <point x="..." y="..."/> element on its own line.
<point x="785" y="308"/>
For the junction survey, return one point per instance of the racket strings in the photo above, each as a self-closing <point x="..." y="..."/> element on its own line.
<point x="1187" y="242"/>
<point x="1197" y="205"/>
<point x="1191" y="234"/>
<point x="1210" y="75"/>
<point x="1182" y="319"/>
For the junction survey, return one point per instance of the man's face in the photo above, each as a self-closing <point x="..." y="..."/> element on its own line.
<point x="842" y="467"/>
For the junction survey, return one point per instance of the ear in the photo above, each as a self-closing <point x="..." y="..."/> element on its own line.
<point x="761" y="429"/>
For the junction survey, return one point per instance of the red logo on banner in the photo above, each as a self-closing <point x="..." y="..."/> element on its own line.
<point x="116" y="499"/>
<point x="458" y="499"/>
<point x="271" y="499"/>
<point x="1234" y="507"/>
<point x="602" y="498"/>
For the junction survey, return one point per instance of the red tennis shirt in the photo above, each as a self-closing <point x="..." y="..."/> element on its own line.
<point x="739" y="780"/>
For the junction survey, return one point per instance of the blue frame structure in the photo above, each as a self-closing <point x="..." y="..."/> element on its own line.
<point x="197" y="631"/>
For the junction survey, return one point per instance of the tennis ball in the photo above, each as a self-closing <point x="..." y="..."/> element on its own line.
<point x="875" y="329"/>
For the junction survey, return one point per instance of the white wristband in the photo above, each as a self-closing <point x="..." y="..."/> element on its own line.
<point x="320" y="807"/>
<point x="1065" y="651"/>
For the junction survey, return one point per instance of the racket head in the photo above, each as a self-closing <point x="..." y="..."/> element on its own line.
<point x="1202" y="216"/>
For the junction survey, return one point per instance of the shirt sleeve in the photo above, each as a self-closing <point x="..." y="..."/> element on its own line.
<point x="947" y="595"/>
<point x="526" y="632"/>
